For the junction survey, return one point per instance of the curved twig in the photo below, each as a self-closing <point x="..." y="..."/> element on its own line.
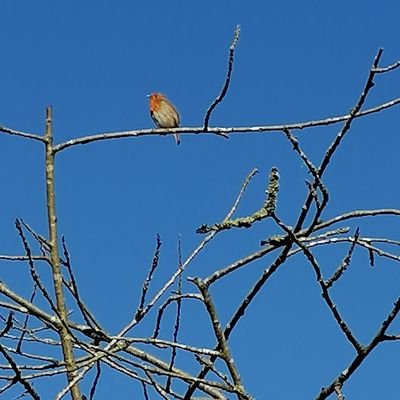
<point x="227" y="79"/>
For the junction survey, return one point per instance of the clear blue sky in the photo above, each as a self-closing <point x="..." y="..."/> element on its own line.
<point x="95" y="62"/>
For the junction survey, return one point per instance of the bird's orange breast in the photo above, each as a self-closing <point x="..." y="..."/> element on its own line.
<point x="154" y="103"/>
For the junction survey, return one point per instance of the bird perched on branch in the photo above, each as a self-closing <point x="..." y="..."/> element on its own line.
<point x="164" y="113"/>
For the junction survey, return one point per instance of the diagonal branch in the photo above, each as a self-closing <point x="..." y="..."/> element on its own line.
<point x="344" y="264"/>
<point x="26" y="135"/>
<point x="18" y="376"/>
<point x="324" y="289"/>
<point x="335" y="144"/>
<point x="149" y="277"/>
<point x="221" y="339"/>
<point x="32" y="269"/>
<point x="360" y="357"/>
<point x="73" y="288"/>
<point x="240" y="311"/>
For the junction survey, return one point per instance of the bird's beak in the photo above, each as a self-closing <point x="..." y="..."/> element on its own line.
<point x="148" y="96"/>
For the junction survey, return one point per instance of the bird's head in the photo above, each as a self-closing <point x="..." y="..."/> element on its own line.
<point x="155" y="96"/>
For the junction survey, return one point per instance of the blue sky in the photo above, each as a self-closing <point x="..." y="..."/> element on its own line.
<point x="95" y="62"/>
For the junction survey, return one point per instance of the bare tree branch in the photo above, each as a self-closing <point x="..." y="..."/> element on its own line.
<point x="344" y="264"/>
<point x="30" y="330"/>
<point x="221" y="339"/>
<point x="221" y="131"/>
<point x="224" y="90"/>
<point x="324" y="289"/>
<point x="387" y="69"/>
<point x="360" y="357"/>
<point x="335" y="144"/>
<point x="55" y="259"/>
<point x="18" y="377"/>
<point x="22" y="134"/>
<point x="149" y="277"/>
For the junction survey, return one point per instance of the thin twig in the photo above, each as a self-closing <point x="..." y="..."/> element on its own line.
<point x="145" y="394"/>
<point x="221" y="339"/>
<point x="149" y="277"/>
<point x="22" y="134"/>
<point x="156" y="386"/>
<point x="163" y="307"/>
<point x="386" y="69"/>
<point x="228" y="223"/>
<point x="177" y="319"/>
<point x="259" y="215"/>
<point x="167" y="344"/>
<point x="95" y="381"/>
<point x="310" y="166"/>
<point x="23" y="258"/>
<point x="43" y="242"/>
<point x="344" y="264"/>
<point x="227" y="79"/>
<point x="8" y="325"/>
<point x="87" y="315"/>
<point x="353" y="215"/>
<point x="25" y="324"/>
<point x="32" y="269"/>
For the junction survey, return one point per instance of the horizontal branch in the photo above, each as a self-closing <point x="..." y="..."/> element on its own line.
<point x="386" y="69"/>
<point x="364" y="242"/>
<point x="27" y="135"/>
<point x="355" y="214"/>
<point x="166" y="344"/>
<point x="220" y="131"/>
<point x="22" y="258"/>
